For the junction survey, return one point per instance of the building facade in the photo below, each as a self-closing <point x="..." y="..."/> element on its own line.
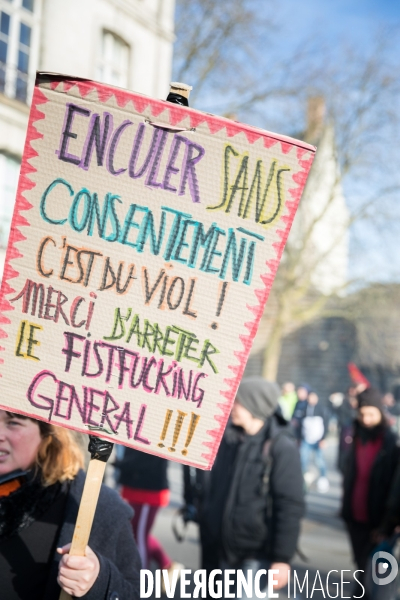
<point x="126" y="43"/>
<point x="321" y="225"/>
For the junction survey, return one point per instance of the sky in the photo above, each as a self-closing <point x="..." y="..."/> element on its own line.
<point x="352" y="21"/>
<point x="355" y="21"/>
<point x="353" y="18"/>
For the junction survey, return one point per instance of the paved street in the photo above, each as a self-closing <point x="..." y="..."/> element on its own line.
<point x="323" y="540"/>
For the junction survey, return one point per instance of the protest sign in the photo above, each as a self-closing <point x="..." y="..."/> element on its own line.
<point x="145" y="240"/>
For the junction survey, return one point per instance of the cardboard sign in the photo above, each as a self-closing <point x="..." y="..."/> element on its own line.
<point x="145" y="240"/>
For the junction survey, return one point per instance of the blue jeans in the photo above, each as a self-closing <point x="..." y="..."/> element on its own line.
<point x="305" y="450"/>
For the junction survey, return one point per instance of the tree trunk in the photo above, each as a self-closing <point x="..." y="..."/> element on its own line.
<point x="272" y="353"/>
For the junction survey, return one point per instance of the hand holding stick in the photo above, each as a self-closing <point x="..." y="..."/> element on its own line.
<point x="100" y="451"/>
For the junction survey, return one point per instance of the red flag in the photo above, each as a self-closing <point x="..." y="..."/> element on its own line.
<point x="356" y="376"/>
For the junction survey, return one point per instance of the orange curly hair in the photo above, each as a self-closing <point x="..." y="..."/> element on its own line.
<point x="59" y="456"/>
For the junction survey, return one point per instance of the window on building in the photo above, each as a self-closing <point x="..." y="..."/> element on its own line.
<point x="28" y="4"/>
<point x="21" y="86"/>
<point x="114" y="63"/>
<point x="4" y="41"/>
<point x="9" y="172"/>
<point x="17" y="24"/>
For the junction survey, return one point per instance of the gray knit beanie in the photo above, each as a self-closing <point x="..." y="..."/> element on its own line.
<point x="259" y="396"/>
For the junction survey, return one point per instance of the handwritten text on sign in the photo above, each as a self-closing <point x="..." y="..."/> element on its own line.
<point x="144" y="243"/>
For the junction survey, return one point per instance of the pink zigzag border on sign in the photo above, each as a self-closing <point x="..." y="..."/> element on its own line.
<point x="176" y="115"/>
<point x="21" y="204"/>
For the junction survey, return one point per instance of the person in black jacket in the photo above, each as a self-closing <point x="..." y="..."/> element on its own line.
<point x="41" y="484"/>
<point x="252" y="506"/>
<point x="302" y="394"/>
<point x="391" y="517"/>
<point x="369" y="475"/>
<point x="346" y="413"/>
<point x="313" y="427"/>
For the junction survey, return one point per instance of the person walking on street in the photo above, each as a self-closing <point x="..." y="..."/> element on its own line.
<point x="145" y="487"/>
<point x="253" y="504"/>
<point x="288" y="400"/>
<point x="369" y="475"/>
<point x="392" y="411"/>
<point x="302" y="394"/>
<point x="313" y="431"/>
<point x="346" y="413"/>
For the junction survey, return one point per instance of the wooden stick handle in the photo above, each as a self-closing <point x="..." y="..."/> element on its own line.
<point x="87" y="508"/>
<point x="65" y="596"/>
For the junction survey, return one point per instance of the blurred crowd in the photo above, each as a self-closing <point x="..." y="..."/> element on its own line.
<point x="248" y="508"/>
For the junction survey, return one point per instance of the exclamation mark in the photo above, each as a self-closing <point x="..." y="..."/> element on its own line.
<point x="221" y="300"/>
<point x="178" y="427"/>
<point x="168" y="416"/>
<point x="192" y="427"/>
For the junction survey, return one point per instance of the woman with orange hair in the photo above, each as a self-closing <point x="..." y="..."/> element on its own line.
<point x="41" y="483"/>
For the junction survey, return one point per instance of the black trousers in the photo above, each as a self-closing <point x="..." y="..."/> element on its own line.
<point x="361" y="542"/>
